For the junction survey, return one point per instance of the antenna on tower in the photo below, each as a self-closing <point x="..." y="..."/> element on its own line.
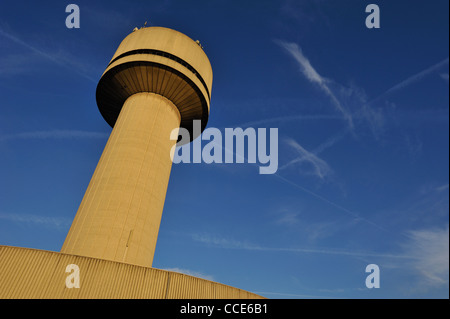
<point x="198" y="42"/>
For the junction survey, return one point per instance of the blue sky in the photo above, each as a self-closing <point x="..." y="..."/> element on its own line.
<point x="363" y="124"/>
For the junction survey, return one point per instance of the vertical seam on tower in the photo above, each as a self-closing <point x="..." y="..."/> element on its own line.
<point x="140" y="169"/>
<point x="121" y="167"/>
<point x="130" y="106"/>
<point x="137" y="178"/>
<point x="101" y="173"/>
<point x="139" y="246"/>
<point x="165" y="104"/>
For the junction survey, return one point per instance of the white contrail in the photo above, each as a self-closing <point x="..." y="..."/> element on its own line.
<point x="328" y="143"/>
<point x="56" y="222"/>
<point x="314" y="77"/>
<point x="290" y="118"/>
<point x="317" y="196"/>
<point x="234" y="244"/>
<point x="416" y="77"/>
<point x="66" y="63"/>
<point x="412" y="79"/>
<point x="321" y="168"/>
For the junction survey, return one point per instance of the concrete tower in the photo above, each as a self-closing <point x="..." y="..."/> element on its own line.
<point x="157" y="81"/>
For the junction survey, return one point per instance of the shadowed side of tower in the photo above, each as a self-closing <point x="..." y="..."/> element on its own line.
<point x="158" y="80"/>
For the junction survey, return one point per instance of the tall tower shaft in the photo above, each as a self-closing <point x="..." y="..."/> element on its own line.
<point x="157" y="81"/>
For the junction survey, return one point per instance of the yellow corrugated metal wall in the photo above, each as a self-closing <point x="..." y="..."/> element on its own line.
<point x="31" y="273"/>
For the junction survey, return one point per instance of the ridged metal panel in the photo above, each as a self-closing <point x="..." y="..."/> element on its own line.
<point x="32" y="274"/>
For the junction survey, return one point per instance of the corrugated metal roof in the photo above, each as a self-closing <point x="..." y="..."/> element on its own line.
<point x="31" y="274"/>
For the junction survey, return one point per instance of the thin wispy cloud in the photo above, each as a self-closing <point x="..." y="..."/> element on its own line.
<point x="17" y="40"/>
<point x="422" y="238"/>
<point x="355" y="216"/>
<point x="61" y="59"/>
<point x="54" y="134"/>
<point x="430" y="249"/>
<point x="235" y="244"/>
<point x="314" y="77"/>
<point x="311" y="156"/>
<point x="290" y="118"/>
<point x="428" y="205"/>
<point x="14" y="64"/>
<point x="319" y="167"/>
<point x="356" y="99"/>
<point x="330" y="142"/>
<point x="36" y="220"/>
<point x="413" y="144"/>
<point x="442" y="188"/>
<point x="417" y="77"/>
<point x="351" y="101"/>
<point x="348" y="212"/>
<point x="288" y="218"/>
<point x="411" y="80"/>
<point x="293" y="218"/>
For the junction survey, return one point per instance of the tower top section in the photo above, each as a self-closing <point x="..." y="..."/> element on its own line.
<point x="161" y="61"/>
